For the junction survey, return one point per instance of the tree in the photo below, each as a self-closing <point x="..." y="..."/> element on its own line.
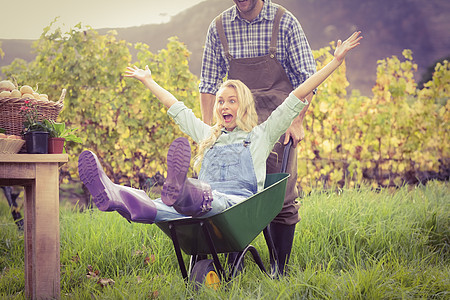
<point x="399" y="135"/>
<point x="117" y="118"/>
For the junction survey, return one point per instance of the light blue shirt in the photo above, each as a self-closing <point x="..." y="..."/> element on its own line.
<point x="263" y="137"/>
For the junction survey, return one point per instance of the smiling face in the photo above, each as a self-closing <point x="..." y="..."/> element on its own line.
<point x="249" y="9"/>
<point x="227" y="106"/>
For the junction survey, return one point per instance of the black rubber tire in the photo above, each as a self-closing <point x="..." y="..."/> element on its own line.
<point x="204" y="272"/>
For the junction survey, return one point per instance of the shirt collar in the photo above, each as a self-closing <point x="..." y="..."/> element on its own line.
<point x="224" y="130"/>
<point x="266" y="13"/>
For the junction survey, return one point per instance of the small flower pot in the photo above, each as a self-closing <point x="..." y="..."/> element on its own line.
<point x="36" y="142"/>
<point x="56" y="145"/>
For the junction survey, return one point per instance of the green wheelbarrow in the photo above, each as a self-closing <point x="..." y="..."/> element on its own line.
<point x="230" y="231"/>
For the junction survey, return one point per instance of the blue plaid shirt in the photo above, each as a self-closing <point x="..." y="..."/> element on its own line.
<point x="252" y="39"/>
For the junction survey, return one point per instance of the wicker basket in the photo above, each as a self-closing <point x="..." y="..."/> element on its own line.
<point x="12" y="121"/>
<point x="10" y="146"/>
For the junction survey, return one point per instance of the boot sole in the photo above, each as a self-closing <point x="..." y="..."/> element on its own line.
<point x="89" y="170"/>
<point x="178" y="160"/>
<point x="90" y="176"/>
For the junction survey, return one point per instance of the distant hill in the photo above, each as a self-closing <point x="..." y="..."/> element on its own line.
<point x="16" y="49"/>
<point x="388" y="26"/>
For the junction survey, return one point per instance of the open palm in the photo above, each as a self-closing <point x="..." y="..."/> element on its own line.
<point x="137" y="73"/>
<point x="343" y="47"/>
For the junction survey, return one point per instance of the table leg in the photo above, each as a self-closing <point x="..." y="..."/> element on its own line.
<point x="42" y="260"/>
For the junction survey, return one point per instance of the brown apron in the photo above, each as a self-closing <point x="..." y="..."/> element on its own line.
<point x="270" y="86"/>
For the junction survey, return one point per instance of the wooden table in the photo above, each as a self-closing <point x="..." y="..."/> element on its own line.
<point x="39" y="174"/>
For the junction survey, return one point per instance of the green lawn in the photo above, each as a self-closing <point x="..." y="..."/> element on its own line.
<point x="351" y="244"/>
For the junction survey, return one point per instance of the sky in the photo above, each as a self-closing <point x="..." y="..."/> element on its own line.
<point x="25" y="19"/>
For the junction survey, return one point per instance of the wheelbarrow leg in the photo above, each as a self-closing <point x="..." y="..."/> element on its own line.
<point x="176" y="245"/>
<point x="240" y="259"/>
<point x="232" y="259"/>
<point x="212" y="248"/>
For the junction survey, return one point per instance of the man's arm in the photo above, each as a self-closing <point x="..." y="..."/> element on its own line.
<point x="207" y="106"/>
<point x="296" y="130"/>
<point x="213" y="71"/>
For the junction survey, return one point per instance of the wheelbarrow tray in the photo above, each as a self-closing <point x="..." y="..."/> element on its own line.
<point x="236" y="227"/>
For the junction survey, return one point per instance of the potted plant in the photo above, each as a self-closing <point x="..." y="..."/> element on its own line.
<point x="59" y="135"/>
<point x="34" y="131"/>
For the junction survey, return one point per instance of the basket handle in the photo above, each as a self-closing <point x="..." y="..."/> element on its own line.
<point x="61" y="99"/>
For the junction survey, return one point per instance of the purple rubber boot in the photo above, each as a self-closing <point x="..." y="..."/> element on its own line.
<point x="132" y="204"/>
<point x="190" y="197"/>
<point x="195" y="198"/>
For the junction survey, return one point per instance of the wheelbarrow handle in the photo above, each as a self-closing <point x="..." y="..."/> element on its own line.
<point x="287" y="149"/>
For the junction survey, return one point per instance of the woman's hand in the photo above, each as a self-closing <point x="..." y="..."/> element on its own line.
<point x="145" y="76"/>
<point x="139" y="74"/>
<point x="343" y="47"/>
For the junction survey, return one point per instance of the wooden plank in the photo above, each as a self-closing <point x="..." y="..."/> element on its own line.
<point x="40" y="176"/>
<point x="46" y="232"/>
<point x="42" y="242"/>
<point x="36" y="158"/>
<point x="29" y="203"/>
<point x="13" y="170"/>
<point x="11" y="182"/>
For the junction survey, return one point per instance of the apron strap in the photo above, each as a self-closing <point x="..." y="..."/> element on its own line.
<point x="275" y="28"/>
<point x="222" y="37"/>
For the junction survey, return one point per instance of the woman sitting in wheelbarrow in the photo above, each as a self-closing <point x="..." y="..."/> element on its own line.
<point x="232" y="153"/>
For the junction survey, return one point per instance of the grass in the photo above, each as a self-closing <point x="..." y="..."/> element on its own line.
<point x="350" y="244"/>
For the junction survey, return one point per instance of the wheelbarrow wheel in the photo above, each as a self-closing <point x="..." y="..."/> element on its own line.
<point x="205" y="273"/>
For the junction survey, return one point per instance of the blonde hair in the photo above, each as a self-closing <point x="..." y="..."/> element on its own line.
<point x="246" y="120"/>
